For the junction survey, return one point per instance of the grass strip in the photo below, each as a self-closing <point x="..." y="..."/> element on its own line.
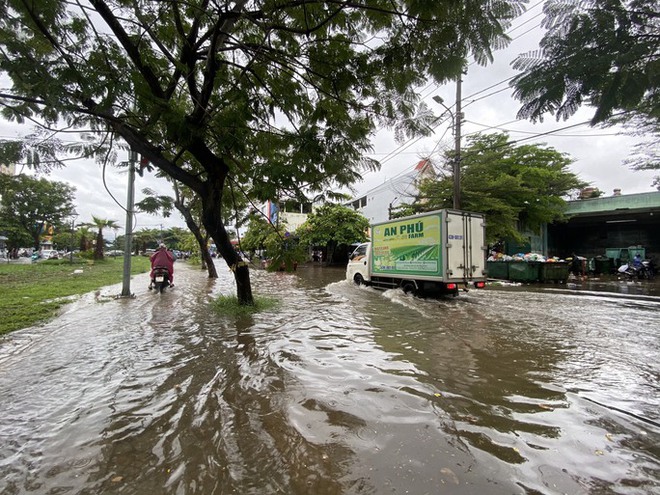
<point x="33" y="293"/>
<point x="228" y="305"/>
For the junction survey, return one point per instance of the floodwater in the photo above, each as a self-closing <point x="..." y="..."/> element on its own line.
<point x="340" y="390"/>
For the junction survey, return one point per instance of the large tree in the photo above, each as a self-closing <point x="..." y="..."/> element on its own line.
<point x="331" y="226"/>
<point x="270" y="93"/>
<point x="515" y="186"/>
<point x="604" y="53"/>
<point x="29" y="205"/>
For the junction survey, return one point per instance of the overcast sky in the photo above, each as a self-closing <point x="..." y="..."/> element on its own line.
<point x="488" y="106"/>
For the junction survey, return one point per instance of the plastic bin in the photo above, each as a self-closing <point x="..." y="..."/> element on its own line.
<point x="603" y="265"/>
<point x="554" y="272"/>
<point x="613" y="253"/>
<point x="498" y="269"/>
<point x="524" y="271"/>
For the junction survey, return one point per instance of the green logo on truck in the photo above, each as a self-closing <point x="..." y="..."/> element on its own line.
<point x="407" y="247"/>
<point x="411" y="230"/>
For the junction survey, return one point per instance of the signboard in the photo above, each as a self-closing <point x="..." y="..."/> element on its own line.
<point x="408" y="247"/>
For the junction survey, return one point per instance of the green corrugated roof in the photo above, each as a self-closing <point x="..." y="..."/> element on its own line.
<point x="613" y="203"/>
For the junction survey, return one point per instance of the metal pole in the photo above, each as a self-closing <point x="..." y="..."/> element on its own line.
<point x="457" y="147"/>
<point x="73" y="221"/>
<point x="126" y="281"/>
<point x="74" y="215"/>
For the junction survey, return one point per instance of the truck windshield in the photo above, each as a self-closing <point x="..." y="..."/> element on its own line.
<point x="361" y="250"/>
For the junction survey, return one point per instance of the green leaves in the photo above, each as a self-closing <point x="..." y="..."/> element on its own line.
<point x="600" y="52"/>
<point x="333" y="223"/>
<point x="27" y="203"/>
<point x="514" y="186"/>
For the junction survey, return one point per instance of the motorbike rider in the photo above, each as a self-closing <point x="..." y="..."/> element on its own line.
<point x="162" y="257"/>
<point x="637" y="261"/>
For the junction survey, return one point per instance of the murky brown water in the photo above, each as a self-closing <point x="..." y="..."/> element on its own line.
<point x="341" y="390"/>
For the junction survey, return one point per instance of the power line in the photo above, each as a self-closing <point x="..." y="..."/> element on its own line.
<point x="397" y="151"/>
<point x="534" y="133"/>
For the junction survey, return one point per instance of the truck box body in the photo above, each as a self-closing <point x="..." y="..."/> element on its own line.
<point x="438" y="251"/>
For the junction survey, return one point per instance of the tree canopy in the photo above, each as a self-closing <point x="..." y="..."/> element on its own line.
<point x="258" y="230"/>
<point x="263" y="94"/>
<point x="28" y="205"/>
<point x="514" y="186"/>
<point x="333" y="225"/>
<point x="604" y="53"/>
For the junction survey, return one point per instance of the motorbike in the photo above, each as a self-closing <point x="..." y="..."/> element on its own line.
<point x="161" y="278"/>
<point x="645" y="271"/>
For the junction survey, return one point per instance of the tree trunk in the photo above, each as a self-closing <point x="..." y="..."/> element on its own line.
<point x="330" y="254"/>
<point x="212" y="219"/>
<point x="98" y="251"/>
<point x="207" y="261"/>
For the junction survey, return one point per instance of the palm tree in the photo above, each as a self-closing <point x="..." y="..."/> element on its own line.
<point x="83" y="232"/>
<point x="101" y="224"/>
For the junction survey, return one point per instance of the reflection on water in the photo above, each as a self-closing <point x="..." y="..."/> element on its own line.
<point x="339" y="390"/>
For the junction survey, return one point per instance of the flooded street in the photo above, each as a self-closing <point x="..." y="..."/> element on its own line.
<point x="339" y="390"/>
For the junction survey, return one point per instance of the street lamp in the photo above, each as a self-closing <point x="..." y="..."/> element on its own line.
<point x="74" y="215"/>
<point x="456" y="121"/>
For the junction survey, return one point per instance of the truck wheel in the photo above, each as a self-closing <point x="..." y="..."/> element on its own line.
<point x="409" y="288"/>
<point x="358" y="279"/>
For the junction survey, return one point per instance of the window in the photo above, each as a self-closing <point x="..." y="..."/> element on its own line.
<point x="361" y="250"/>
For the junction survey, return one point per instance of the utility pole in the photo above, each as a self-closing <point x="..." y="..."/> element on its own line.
<point x="126" y="281"/>
<point x="457" y="146"/>
<point x="74" y="215"/>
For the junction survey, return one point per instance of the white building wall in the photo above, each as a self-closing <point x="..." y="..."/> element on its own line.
<point x="376" y="203"/>
<point x="293" y="220"/>
<point x="8" y="169"/>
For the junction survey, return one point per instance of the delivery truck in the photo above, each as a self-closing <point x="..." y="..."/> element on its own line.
<point x="428" y="255"/>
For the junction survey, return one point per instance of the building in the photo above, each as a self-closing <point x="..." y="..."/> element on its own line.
<point x="599" y="226"/>
<point x="8" y="169"/>
<point x="376" y="204"/>
<point x="290" y="213"/>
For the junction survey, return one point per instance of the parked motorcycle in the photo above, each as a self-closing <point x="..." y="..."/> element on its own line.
<point x="161" y="278"/>
<point x="644" y="271"/>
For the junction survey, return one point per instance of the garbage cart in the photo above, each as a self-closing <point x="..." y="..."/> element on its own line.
<point x="524" y="271"/>
<point x="554" y="272"/>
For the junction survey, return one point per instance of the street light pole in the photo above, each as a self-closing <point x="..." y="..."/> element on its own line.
<point x="457" y="147"/>
<point x="456" y="124"/>
<point x="74" y="215"/>
<point x="126" y="280"/>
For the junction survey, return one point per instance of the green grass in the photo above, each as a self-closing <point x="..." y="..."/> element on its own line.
<point x="33" y="293"/>
<point x="228" y="305"/>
